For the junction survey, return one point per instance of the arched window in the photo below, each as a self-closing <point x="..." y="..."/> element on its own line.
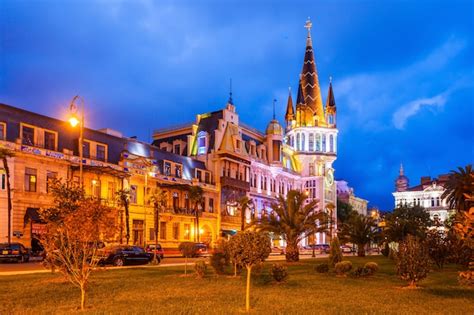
<point x="318" y="142"/>
<point x="311" y="142"/>
<point x="303" y="144"/>
<point x="331" y="143"/>
<point x="432" y="202"/>
<point x="324" y="143"/>
<point x="298" y="141"/>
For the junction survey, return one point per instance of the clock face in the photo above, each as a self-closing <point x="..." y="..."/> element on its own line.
<point x="329" y="177"/>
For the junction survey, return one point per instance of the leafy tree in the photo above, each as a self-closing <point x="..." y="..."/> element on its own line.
<point x="406" y="220"/>
<point x="344" y="210"/>
<point x="413" y="260"/>
<point x="294" y="219"/>
<point x="158" y="199"/>
<point x="244" y="204"/>
<point x="123" y="196"/>
<point x="251" y="248"/>
<point x="360" y="230"/>
<point x="75" y="230"/>
<point x="438" y="247"/>
<point x="196" y="196"/>
<point x="5" y="154"/>
<point x="335" y="252"/>
<point x="188" y="249"/>
<point x="459" y="188"/>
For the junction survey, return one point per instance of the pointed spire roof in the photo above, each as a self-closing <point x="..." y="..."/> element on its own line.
<point x="290" y="113"/>
<point x="401" y="172"/>
<point x="309" y="92"/>
<point x="330" y="101"/>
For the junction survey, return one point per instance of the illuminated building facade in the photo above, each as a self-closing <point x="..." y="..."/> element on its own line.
<point x="346" y="194"/>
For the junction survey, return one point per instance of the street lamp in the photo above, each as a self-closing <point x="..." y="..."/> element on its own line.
<point x="74" y="120"/>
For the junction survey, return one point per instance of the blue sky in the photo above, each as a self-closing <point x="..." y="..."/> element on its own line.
<point x="403" y="71"/>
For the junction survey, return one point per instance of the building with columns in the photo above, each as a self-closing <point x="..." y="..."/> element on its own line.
<point x="264" y="165"/>
<point x="427" y="194"/>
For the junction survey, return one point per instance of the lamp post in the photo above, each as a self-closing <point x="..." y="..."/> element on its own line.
<point x="74" y="121"/>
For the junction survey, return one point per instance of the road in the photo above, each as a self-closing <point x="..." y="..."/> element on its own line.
<point x="8" y="269"/>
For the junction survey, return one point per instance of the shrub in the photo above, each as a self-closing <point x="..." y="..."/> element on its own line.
<point x="361" y="272"/>
<point x="438" y="248"/>
<point x="279" y="272"/>
<point x="218" y="262"/>
<point x="200" y="267"/>
<point x="385" y="250"/>
<point x="341" y="268"/>
<point x="467" y="277"/>
<point x="257" y="269"/>
<point x="372" y="266"/>
<point x="412" y="260"/>
<point x="335" y="253"/>
<point x="322" y="268"/>
<point x="187" y="249"/>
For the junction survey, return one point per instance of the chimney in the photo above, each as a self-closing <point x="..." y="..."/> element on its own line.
<point x="426" y="180"/>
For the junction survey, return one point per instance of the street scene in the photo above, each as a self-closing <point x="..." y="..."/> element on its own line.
<point x="235" y="157"/>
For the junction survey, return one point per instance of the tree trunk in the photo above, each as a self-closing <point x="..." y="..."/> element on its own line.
<point x="197" y="222"/>
<point x="127" y="223"/>
<point x="242" y="219"/>
<point x="9" y="199"/>
<point x="292" y="252"/>
<point x="121" y="227"/>
<point x="157" y="223"/>
<point x="361" y="250"/>
<point x="247" y="295"/>
<point x="235" y="269"/>
<point x="83" y="296"/>
<point x="412" y="284"/>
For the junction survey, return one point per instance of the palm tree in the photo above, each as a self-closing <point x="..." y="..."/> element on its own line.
<point x="196" y="196"/>
<point x="123" y="196"/>
<point x="294" y="219"/>
<point x="459" y="187"/>
<point x="360" y="230"/>
<point x="158" y="198"/>
<point x="244" y="204"/>
<point x="4" y="155"/>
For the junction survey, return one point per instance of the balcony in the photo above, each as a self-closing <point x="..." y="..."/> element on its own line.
<point x="234" y="183"/>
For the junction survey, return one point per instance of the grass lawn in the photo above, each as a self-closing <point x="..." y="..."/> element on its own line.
<point x="163" y="291"/>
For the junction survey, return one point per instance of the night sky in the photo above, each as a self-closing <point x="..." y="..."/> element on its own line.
<point x="403" y="72"/>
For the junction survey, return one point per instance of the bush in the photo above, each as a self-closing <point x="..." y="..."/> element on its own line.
<point x="200" y="267"/>
<point x="279" y="272"/>
<point x="361" y="272"/>
<point x="413" y="260"/>
<point x="335" y="252"/>
<point x="341" y="268"/>
<point x="218" y="262"/>
<point x="438" y="247"/>
<point x="385" y="250"/>
<point x="372" y="266"/>
<point x="322" y="268"/>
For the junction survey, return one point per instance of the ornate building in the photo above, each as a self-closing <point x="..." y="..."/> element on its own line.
<point x="262" y="166"/>
<point x="427" y="195"/>
<point x="346" y="194"/>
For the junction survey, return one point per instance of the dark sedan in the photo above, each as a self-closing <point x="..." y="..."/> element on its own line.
<point x="14" y="252"/>
<point x="125" y="255"/>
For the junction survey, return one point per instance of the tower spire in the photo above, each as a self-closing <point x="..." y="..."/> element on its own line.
<point x="290" y="113"/>
<point x="230" y="101"/>
<point x="401" y="172"/>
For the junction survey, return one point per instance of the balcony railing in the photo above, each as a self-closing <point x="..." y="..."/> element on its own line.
<point x="235" y="183"/>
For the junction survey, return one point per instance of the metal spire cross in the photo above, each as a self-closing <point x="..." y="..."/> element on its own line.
<point x="308" y="24"/>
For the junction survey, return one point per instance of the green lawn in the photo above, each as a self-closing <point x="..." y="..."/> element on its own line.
<point x="162" y="290"/>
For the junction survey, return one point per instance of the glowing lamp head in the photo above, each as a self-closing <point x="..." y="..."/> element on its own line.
<point x="73" y="121"/>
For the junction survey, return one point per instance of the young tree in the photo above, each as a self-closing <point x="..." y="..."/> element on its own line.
<point x="294" y="219"/>
<point x="438" y="247"/>
<point x="244" y="204"/>
<point x="360" y="230"/>
<point x="123" y="198"/>
<point x="158" y="199"/>
<point x="75" y="230"/>
<point x="404" y="221"/>
<point x="335" y="252"/>
<point x="413" y="260"/>
<point x="251" y="248"/>
<point x="5" y="154"/>
<point x="196" y="196"/>
<point x="188" y="249"/>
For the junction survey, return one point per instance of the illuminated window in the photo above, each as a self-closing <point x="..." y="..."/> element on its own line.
<point x="187" y="231"/>
<point x="318" y="142"/>
<point x="202" y="144"/>
<point x="331" y="143"/>
<point x="49" y="140"/>
<point x="324" y="143"/>
<point x="30" y="179"/>
<point x="298" y="143"/>
<point x="28" y="135"/>
<point x="311" y="142"/>
<point x="95" y="189"/>
<point x="303" y="144"/>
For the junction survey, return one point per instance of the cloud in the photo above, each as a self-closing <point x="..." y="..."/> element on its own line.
<point x="410" y="109"/>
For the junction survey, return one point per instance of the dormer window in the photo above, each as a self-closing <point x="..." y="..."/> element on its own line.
<point x="237" y="145"/>
<point x="49" y="140"/>
<point x="28" y="135"/>
<point x="167" y="168"/>
<point x="202" y="144"/>
<point x="178" y="171"/>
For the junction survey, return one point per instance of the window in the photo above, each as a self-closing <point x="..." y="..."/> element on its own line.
<point x="50" y="176"/>
<point x="331" y="143"/>
<point x="303" y="144"/>
<point x="49" y="140"/>
<point x="186" y="201"/>
<point x="177" y="149"/>
<point x="95" y="189"/>
<point x="432" y="202"/>
<point x="198" y="175"/>
<point x="163" y="230"/>
<point x="30" y="179"/>
<point x="133" y="193"/>
<point x="152" y="234"/>
<point x="176" y="230"/>
<point x="175" y="201"/>
<point x="167" y="168"/>
<point x="324" y="143"/>
<point x="207" y="177"/>
<point x="187" y="231"/>
<point x="311" y="169"/>
<point x="298" y="144"/>
<point x="311" y="142"/>
<point x="111" y="191"/>
<point x="3" y="131"/>
<point x="211" y="205"/>
<point x="28" y="135"/>
<point x="202" y="144"/>
<point x="178" y="171"/>
<point x="237" y="145"/>
<point x="86" y="149"/>
<point x="437" y="201"/>
<point x="100" y="152"/>
<point x="318" y="142"/>
<point x="3" y="180"/>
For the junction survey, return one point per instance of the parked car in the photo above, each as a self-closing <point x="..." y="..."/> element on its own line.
<point x="159" y="250"/>
<point x="318" y="248"/>
<point x="125" y="255"/>
<point x="200" y="250"/>
<point x="346" y="249"/>
<point x="14" y="252"/>
<point x="278" y="250"/>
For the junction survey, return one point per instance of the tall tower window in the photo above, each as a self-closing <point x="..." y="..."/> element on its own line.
<point x="311" y="142"/>
<point x="298" y="144"/>
<point x="303" y="144"/>
<point x="318" y="142"/>
<point x="331" y="143"/>
<point x="324" y="143"/>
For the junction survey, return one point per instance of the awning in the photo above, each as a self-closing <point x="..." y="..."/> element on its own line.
<point x="32" y="215"/>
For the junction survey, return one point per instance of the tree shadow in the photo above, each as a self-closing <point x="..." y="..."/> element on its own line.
<point x="450" y="292"/>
